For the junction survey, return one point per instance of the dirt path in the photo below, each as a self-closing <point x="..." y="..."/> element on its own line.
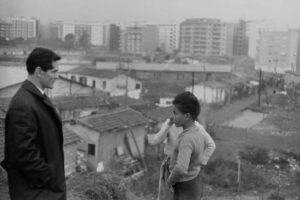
<point x="229" y="112"/>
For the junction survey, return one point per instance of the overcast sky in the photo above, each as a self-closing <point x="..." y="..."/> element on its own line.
<point x="283" y="12"/>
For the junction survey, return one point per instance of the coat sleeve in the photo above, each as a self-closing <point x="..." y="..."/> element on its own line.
<point x="24" y="155"/>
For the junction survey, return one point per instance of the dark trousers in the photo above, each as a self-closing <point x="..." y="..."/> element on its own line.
<point x="189" y="190"/>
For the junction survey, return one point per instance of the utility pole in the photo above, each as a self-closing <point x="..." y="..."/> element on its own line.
<point x="205" y="77"/>
<point x="126" y="89"/>
<point x="193" y="81"/>
<point x="259" y="87"/>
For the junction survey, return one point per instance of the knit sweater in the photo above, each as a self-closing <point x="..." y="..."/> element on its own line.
<point x="193" y="149"/>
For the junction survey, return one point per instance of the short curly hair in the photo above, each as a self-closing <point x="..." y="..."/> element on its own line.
<point x="186" y="102"/>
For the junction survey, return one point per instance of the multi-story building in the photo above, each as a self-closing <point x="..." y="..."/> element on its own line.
<point x="240" y="39"/>
<point x="278" y="51"/>
<point x="139" y="39"/>
<point x="254" y="28"/>
<point x="18" y="27"/>
<point x="229" y="39"/>
<point x="203" y="37"/>
<point x="62" y="28"/>
<point x="111" y="37"/>
<point x="168" y="37"/>
<point x="5" y="28"/>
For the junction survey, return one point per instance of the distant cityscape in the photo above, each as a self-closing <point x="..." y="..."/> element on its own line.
<point x="273" y="49"/>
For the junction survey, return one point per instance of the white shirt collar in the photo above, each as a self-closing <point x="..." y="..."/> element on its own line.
<point x="42" y="91"/>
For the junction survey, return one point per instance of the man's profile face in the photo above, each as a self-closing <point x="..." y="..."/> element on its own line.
<point x="47" y="78"/>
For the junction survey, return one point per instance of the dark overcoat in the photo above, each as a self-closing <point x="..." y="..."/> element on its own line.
<point x="34" y="158"/>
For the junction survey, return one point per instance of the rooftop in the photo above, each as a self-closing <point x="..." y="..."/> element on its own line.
<point x="100" y="73"/>
<point x="166" y="67"/>
<point x="117" y="120"/>
<point x="159" y="114"/>
<point x="79" y="102"/>
<point x="70" y="137"/>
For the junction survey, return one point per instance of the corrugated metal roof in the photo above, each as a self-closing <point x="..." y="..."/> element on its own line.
<point x="159" y="114"/>
<point x="100" y="73"/>
<point x="120" y="119"/>
<point x="168" y="67"/>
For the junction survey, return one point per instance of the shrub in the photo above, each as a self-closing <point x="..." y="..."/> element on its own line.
<point x="95" y="185"/>
<point x="251" y="178"/>
<point x="221" y="173"/>
<point x="224" y="173"/>
<point x="297" y="177"/>
<point x="275" y="196"/>
<point x="258" y="156"/>
<point x="291" y="154"/>
<point x="282" y="162"/>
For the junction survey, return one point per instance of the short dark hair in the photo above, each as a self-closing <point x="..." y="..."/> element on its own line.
<point x="41" y="57"/>
<point x="186" y="102"/>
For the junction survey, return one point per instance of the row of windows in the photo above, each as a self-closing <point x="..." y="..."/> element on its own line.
<point x="83" y="80"/>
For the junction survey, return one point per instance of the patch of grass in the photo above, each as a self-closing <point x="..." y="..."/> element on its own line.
<point x="224" y="174"/>
<point x="251" y="178"/>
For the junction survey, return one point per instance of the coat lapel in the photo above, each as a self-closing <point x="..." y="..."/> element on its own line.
<point x="33" y="89"/>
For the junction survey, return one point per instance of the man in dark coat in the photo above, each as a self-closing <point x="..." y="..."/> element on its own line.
<point x="34" y="158"/>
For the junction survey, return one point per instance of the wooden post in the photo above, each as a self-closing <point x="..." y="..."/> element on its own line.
<point x="138" y="149"/>
<point x="239" y="176"/>
<point x="259" y="88"/>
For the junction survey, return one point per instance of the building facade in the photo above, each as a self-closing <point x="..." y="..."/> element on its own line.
<point x="62" y="87"/>
<point x="168" y="37"/>
<point x="203" y="37"/>
<point x="60" y="29"/>
<point x="18" y="27"/>
<point x="112" y="82"/>
<point x="139" y="39"/>
<point x="278" y="51"/>
<point x="111" y="134"/>
<point x="209" y="92"/>
<point x="112" y="36"/>
<point x="240" y="39"/>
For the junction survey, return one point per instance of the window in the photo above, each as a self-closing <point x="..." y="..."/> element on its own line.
<point x="137" y="86"/>
<point x="180" y="76"/>
<point x="104" y="84"/>
<point x="94" y="83"/>
<point x="91" y="149"/>
<point x="157" y="75"/>
<point x="82" y="80"/>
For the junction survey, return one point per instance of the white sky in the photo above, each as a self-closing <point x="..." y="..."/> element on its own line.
<point x="282" y="12"/>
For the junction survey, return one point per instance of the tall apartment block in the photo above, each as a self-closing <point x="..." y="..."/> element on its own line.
<point x="168" y="37"/>
<point x="16" y="27"/>
<point x="203" y="37"/>
<point x="278" y="51"/>
<point x="111" y="37"/>
<point x="139" y="39"/>
<point x="240" y="39"/>
<point x="62" y="28"/>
